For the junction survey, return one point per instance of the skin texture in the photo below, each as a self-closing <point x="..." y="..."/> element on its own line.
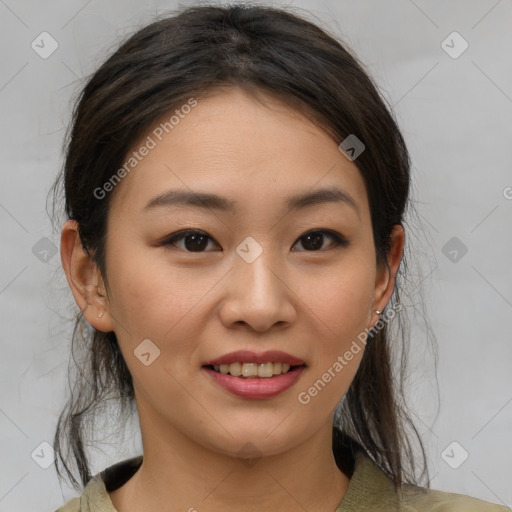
<point x="196" y="306"/>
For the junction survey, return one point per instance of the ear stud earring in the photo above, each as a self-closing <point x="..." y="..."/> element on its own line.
<point x="378" y="312"/>
<point x="100" y="315"/>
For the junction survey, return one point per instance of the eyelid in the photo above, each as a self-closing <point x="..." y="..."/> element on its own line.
<point x="339" y="240"/>
<point x="179" y="235"/>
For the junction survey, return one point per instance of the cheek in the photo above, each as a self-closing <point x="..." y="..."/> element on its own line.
<point x="149" y="296"/>
<point x="151" y="300"/>
<point x="339" y="307"/>
<point x="340" y="299"/>
<point x="340" y="312"/>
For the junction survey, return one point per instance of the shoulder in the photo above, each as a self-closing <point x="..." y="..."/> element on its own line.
<point x="93" y="499"/>
<point x="420" y="499"/>
<point x="371" y="490"/>
<point x="95" y="495"/>
<point x="72" y="505"/>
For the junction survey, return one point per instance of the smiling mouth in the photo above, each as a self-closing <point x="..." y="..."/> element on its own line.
<point x="254" y="370"/>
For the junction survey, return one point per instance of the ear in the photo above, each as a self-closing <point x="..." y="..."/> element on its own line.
<point x="385" y="280"/>
<point x="84" y="279"/>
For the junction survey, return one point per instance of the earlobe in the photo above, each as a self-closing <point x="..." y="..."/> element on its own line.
<point x="84" y="279"/>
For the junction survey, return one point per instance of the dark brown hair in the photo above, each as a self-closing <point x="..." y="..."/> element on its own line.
<point x="282" y="54"/>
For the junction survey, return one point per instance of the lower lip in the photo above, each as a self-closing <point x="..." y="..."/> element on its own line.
<point x="256" y="387"/>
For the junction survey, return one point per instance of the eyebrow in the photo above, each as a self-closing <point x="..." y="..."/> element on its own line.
<point x="212" y="201"/>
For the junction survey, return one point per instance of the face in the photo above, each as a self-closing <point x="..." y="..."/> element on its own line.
<point x="189" y="285"/>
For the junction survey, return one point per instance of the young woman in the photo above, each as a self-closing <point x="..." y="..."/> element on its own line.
<point x="235" y="188"/>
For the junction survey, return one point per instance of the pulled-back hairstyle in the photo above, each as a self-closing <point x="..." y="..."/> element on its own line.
<point x="260" y="49"/>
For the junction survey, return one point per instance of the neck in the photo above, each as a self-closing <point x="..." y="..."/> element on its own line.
<point x="180" y="474"/>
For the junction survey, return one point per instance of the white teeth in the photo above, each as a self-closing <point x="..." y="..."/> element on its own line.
<point x="235" y="369"/>
<point x="250" y="370"/>
<point x="264" y="370"/>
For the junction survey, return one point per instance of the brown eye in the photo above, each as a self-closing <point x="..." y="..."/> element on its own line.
<point x="194" y="241"/>
<point x="197" y="241"/>
<point x="313" y="241"/>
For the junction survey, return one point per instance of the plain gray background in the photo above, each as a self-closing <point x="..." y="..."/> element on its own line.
<point x="455" y="112"/>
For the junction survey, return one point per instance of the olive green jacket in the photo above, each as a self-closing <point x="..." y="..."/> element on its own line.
<point x="370" y="490"/>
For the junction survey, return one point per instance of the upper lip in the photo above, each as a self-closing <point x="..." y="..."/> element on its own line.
<point x="247" y="356"/>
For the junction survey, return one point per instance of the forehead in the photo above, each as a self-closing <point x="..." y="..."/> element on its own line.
<point x="232" y="145"/>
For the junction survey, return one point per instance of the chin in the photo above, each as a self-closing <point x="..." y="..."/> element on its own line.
<point x="253" y="443"/>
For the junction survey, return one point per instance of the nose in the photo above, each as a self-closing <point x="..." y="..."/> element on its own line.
<point x="258" y="294"/>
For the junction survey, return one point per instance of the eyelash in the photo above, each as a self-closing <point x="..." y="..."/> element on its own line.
<point x="339" y="240"/>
